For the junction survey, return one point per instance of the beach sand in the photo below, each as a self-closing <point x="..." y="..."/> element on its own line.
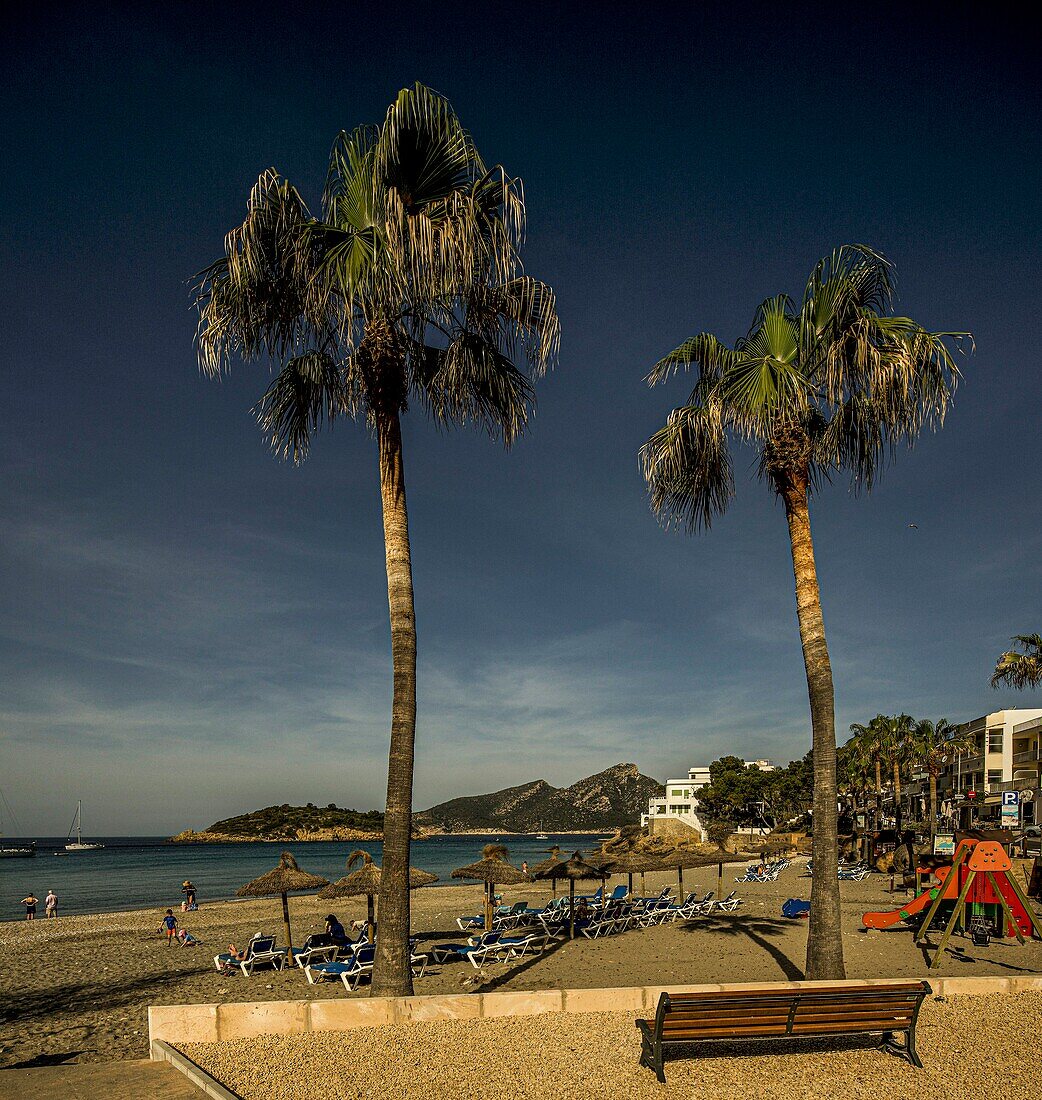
<point x="79" y="986"/>
<point x="972" y="1048"/>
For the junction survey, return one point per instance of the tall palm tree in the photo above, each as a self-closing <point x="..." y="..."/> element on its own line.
<point x="895" y="749"/>
<point x="1020" y="670"/>
<point x="933" y="746"/>
<point x="869" y="739"/>
<point x="407" y="287"/>
<point x="831" y="383"/>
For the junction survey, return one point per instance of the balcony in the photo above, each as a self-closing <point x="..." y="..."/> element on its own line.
<point x="1013" y="785"/>
<point x="1028" y="756"/>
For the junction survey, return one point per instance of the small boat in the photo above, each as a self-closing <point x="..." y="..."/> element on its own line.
<point x="79" y="844"/>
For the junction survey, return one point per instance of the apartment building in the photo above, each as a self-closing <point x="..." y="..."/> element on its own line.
<point x="680" y="801"/>
<point x="1007" y="757"/>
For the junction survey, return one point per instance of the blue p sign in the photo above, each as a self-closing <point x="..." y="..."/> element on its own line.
<point x="1011" y="798"/>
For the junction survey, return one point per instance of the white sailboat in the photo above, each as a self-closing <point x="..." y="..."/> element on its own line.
<point x="79" y="845"/>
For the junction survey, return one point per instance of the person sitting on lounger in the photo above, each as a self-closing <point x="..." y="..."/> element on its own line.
<point x="336" y="932"/>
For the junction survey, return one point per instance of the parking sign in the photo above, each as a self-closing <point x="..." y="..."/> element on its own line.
<point x="1010" y="812"/>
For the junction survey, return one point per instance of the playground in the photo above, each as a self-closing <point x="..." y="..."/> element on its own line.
<point x="977" y="894"/>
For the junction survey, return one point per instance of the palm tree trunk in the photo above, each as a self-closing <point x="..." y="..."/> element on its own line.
<point x="391" y="973"/>
<point x="824" y="934"/>
<point x="897" y="794"/>
<point x="933" y="805"/>
<point x="879" y="790"/>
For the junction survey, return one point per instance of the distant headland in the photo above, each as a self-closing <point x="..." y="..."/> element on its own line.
<point x="607" y="800"/>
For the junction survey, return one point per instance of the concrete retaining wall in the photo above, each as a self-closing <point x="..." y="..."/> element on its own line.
<point x="210" y="1023"/>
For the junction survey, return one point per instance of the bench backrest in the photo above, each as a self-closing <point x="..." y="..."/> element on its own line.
<point x="262" y="945"/>
<point x="809" y="1011"/>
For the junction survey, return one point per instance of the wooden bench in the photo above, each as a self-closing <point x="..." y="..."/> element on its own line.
<point x="885" y="1010"/>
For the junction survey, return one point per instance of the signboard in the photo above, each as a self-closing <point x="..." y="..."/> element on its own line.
<point x="971" y="795"/>
<point x="944" y="844"/>
<point x="1010" y="812"/>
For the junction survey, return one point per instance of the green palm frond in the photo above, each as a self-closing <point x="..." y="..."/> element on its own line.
<point x="687" y="466"/>
<point x="704" y="351"/>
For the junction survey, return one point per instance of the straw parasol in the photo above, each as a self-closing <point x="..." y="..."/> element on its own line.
<point x="555" y="857"/>
<point x="628" y="863"/>
<point x="575" y="869"/>
<point x="279" y="882"/>
<point x="492" y="869"/>
<point x="366" y="880"/>
<point x="679" y="859"/>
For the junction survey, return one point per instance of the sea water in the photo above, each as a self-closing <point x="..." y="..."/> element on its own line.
<point x="147" y="872"/>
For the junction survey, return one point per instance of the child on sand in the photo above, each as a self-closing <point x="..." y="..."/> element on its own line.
<point x="29" y="901"/>
<point x="186" y="939"/>
<point x="169" y="926"/>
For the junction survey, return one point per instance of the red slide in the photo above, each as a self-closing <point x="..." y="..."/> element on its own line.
<point x="888" y="920"/>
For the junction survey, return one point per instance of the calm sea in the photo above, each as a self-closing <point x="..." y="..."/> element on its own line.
<point x="145" y="872"/>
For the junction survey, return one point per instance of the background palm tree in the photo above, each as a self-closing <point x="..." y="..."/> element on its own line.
<point x="868" y="739"/>
<point x="408" y="287"/>
<point x="933" y="745"/>
<point x="1020" y="670"/>
<point x="895" y="749"/>
<point x="832" y="382"/>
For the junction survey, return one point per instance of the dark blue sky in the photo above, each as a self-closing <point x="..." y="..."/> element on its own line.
<point x="190" y="629"/>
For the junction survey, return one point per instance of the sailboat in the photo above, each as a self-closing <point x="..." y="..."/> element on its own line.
<point x="78" y="845"/>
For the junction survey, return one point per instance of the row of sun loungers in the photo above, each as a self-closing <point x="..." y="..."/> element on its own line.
<point x="764" y="872"/>
<point x="848" y="872"/>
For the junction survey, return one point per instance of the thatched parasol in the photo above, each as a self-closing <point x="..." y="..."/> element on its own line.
<point x="628" y="863"/>
<point x="279" y="882"/>
<point x="366" y="880"/>
<point x="680" y="858"/>
<point x="555" y="857"/>
<point x="575" y="869"/>
<point x="492" y="869"/>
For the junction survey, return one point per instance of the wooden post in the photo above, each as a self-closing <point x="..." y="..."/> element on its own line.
<point x="571" y="908"/>
<point x="960" y="905"/>
<point x="488" y="906"/>
<point x="720" y="881"/>
<point x="370" y="930"/>
<point x="285" y="921"/>
<point x="941" y="889"/>
<point x="1005" y="908"/>
<point x="1011" y="878"/>
<point x="680" y="880"/>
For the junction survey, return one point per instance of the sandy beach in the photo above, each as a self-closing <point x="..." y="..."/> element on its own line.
<point x="79" y="986"/>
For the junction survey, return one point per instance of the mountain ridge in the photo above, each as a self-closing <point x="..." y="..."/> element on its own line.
<point x="607" y="800"/>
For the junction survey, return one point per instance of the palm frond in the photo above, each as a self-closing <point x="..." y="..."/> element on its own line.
<point x="307" y="393"/>
<point x="703" y="351"/>
<point x="1020" y="670"/>
<point x="687" y="467"/>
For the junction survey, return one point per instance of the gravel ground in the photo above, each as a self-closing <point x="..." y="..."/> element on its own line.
<point x="79" y="986"/>
<point x="977" y="1048"/>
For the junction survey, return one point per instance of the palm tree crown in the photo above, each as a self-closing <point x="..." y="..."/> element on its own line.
<point x="1020" y="670"/>
<point x="409" y="284"/>
<point x="833" y="382"/>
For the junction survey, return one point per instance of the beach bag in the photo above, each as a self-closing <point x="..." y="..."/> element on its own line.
<point x="794" y="907"/>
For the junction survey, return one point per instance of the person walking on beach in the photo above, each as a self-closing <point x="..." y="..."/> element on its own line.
<point x="50" y="904"/>
<point x="169" y="926"/>
<point x="30" y="902"/>
<point x="188" y="890"/>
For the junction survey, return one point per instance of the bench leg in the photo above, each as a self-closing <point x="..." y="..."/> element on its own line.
<point x="651" y="1056"/>
<point x="904" y="1050"/>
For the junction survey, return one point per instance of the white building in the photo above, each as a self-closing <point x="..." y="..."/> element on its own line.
<point x="680" y="802"/>
<point x="1007" y="756"/>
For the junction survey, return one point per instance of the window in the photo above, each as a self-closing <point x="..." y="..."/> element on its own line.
<point x="994" y="775"/>
<point x="994" y="740"/>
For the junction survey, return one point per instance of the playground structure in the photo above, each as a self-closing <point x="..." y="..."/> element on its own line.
<point x="979" y="879"/>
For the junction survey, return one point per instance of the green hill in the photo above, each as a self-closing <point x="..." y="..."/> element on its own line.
<point x="287" y="822"/>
